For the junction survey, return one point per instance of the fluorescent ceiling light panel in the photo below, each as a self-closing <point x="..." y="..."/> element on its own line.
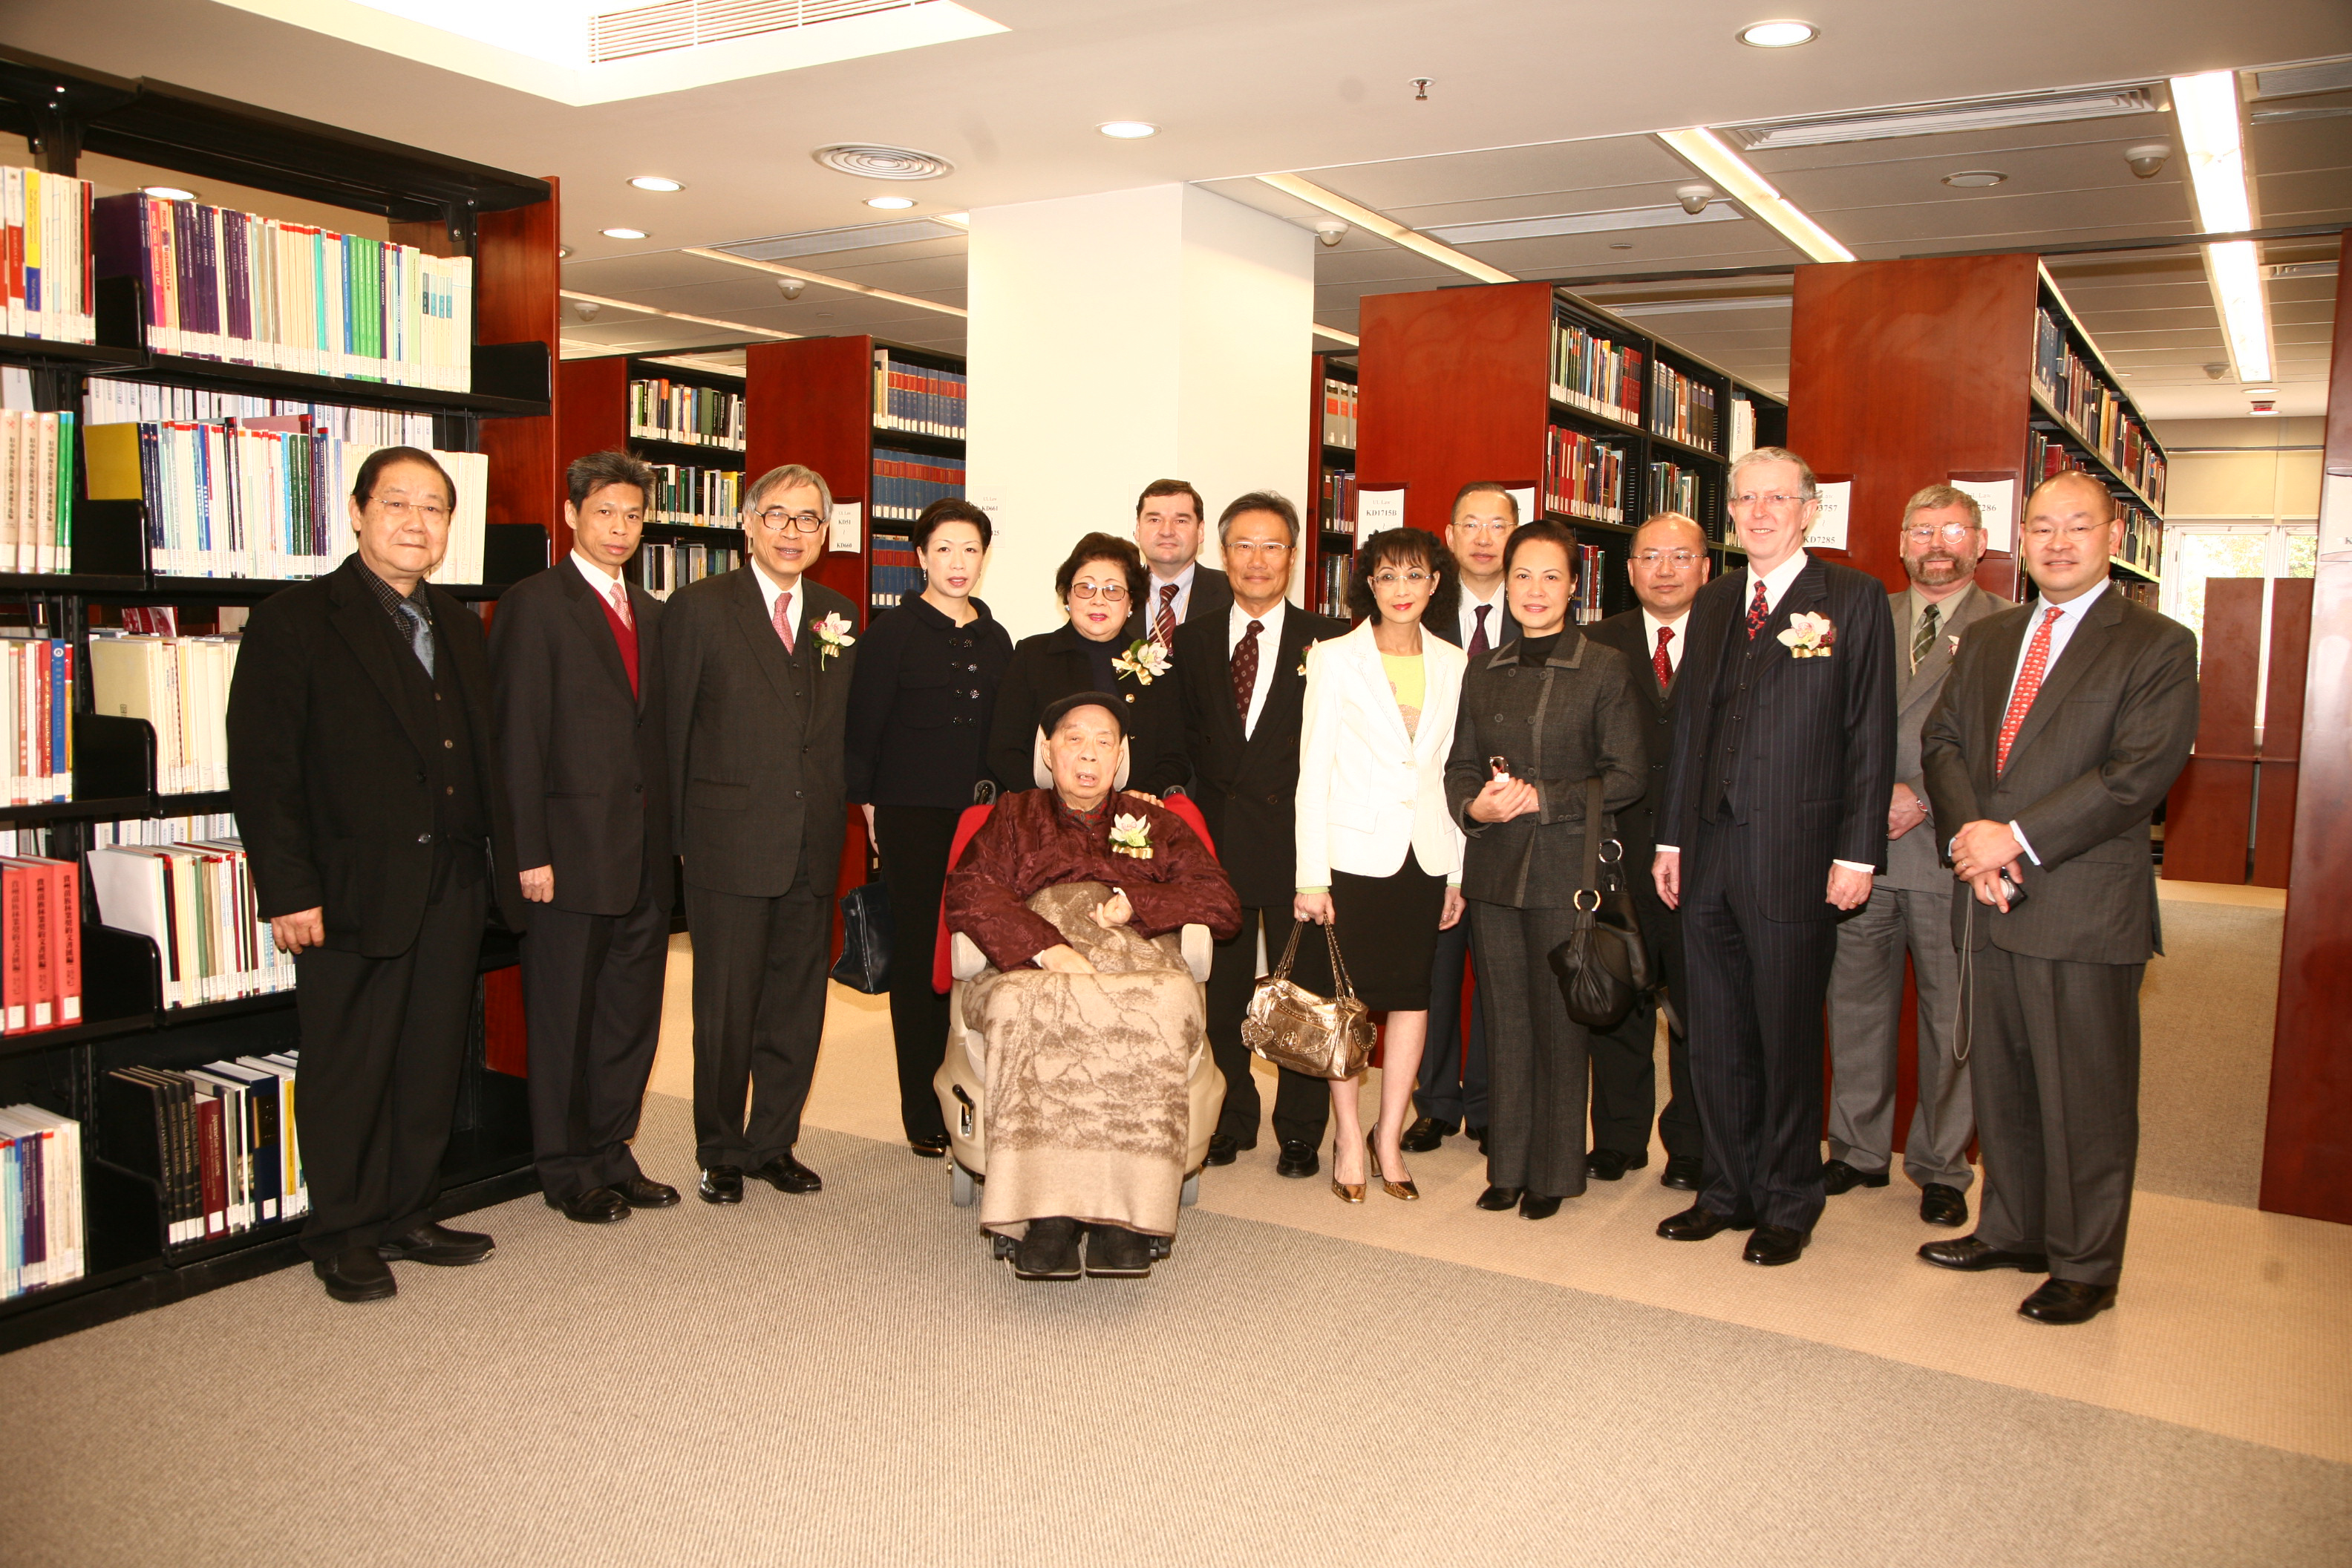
<point x="842" y="283"/>
<point x="1337" y="336"/>
<point x="600" y="51"/>
<point x="1700" y="307"/>
<point x="1705" y="151"/>
<point x="2206" y="109"/>
<point x="857" y="236"/>
<point x="1387" y="227"/>
<point x="1933" y="119"/>
<point x="674" y="315"/>
<point x="1581" y="223"/>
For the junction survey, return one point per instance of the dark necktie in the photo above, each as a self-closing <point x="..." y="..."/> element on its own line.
<point x="1759" y="611"/>
<point x="420" y="634"/>
<point x="1478" y="643"/>
<point x="1660" y="662"/>
<point x="1923" y="641"/>
<point x="1163" y="627"/>
<point x="1245" y="672"/>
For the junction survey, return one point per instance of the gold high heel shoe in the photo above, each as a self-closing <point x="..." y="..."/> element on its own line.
<point x="1345" y="1192"/>
<point x="1405" y="1189"/>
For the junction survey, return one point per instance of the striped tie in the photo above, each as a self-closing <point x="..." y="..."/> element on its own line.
<point x="1923" y="641"/>
<point x="1164" y="629"/>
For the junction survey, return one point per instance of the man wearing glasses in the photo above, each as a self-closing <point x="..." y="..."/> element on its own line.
<point x="1910" y="908"/>
<point x="1773" y="822"/>
<point x="757" y="664"/>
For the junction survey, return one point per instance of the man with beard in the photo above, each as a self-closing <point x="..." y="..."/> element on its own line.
<point x="1910" y="905"/>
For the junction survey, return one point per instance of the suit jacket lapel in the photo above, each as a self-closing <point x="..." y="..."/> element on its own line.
<point x="759" y="636"/>
<point x="1375" y="679"/>
<point x="2082" y="651"/>
<point x="364" y="625"/>
<point x="1221" y="687"/>
<point x="589" y="611"/>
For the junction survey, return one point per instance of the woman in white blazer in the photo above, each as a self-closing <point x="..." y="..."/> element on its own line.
<point x="1378" y="854"/>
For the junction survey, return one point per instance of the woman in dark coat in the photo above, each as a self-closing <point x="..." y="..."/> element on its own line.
<point x="1540" y="717"/>
<point x="919" y="712"/>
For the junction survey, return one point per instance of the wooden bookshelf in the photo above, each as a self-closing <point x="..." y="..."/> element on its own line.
<point x="1327" y="518"/>
<point x="597" y="415"/>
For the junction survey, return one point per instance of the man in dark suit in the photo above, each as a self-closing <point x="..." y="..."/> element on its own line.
<point x="1910" y="908"/>
<point x="366" y="788"/>
<point x="1784" y="758"/>
<point x="756" y="672"/>
<point x="576" y="656"/>
<point x="1168" y="529"/>
<point x="1242" y="679"/>
<point x="2062" y="728"/>
<point x="1667" y="564"/>
<point x="1451" y="1093"/>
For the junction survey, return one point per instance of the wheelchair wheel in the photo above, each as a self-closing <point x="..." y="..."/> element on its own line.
<point x="963" y="1190"/>
<point x="1191" y="1193"/>
<point x="1002" y="1247"/>
<point x="1161" y="1246"/>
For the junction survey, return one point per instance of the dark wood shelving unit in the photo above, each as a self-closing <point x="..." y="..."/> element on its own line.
<point x="1327" y="538"/>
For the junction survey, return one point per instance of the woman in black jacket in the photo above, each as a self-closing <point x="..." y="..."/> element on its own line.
<point x="919" y="704"/>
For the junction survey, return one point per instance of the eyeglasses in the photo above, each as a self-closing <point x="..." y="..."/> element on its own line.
<point x="1109" y="593"/>
<point x="1655" y="559"/>
<point x="2074" y="532"/>
<point x="1249" y="547"/>
<point x="429" y="513"/>
<point x="1950" y="533"/>
<point x="776" y="520"/>
<point x="1389" y="581"/>
<point x="1776" y="501"/>
<point x="1484" y="525"/>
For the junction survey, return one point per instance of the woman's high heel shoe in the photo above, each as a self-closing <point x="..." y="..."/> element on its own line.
<point x="1405" y="1189"/>
<point x="1345" y="1192"/>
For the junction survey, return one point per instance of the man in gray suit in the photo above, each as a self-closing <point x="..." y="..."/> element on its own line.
<point x="1910" y="907"/>
<point x="2060" y="730"/>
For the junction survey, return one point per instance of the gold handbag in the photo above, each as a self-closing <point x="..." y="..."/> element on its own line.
<point x="1291" y="1027"/>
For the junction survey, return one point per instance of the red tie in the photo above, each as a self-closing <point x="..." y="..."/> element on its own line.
<point x="1163" y="627"/>
<point x="1759" y="611"/>
<point x="785" y="619"/>
<point x="2029" y="682"/>
<point x="1660" y="662"/>
<point x="1478" y="643"/>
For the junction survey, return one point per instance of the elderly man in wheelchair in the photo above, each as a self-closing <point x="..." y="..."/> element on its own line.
<point x="1090" y="1022"/>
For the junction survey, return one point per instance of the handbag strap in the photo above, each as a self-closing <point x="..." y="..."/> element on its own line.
<point x="1345" y="987"/>
<point x="1289" y="951"/>
<point x="1592" y="873"/>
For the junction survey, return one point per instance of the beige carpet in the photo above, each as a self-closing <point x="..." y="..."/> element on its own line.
<point x="2205" y="1013"/>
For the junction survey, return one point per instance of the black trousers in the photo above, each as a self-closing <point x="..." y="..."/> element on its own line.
<point x="758" y="1014"/>
<point x="1302" y="1105"/>
<point x="1452" y="1087"/>
<point x="384" y="1041"/>
<point x="592" y="988"/>
<point x="1535" y="1140"/>
<point x="1624" y="1071"/>
<point x="913" y="841"/>
<point x="1757" y="987"/>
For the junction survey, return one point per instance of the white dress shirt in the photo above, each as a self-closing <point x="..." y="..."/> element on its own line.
<point x="1652" y="626"/>
<point x="2062" y="631"/>
<point x="1269" y="645"/>
<point x="1469" y="609"/>
<point x="600" y="582"/>
<point x="770" y="593"/>
<point x="1183" y="601"/>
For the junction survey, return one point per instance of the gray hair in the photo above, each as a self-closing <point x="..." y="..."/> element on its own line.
<point x="1259" y="500"/>
<point x="1769" y="455"/>
<point x="789" y="476"/>
<point x="1935" y="498"/>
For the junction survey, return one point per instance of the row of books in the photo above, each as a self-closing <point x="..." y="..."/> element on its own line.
<point x="1583" y="476"/>
<point x="106" y="401"/>
<point x="1590" y="576"/>
<point x="696" y="498"/>
<point x="41" y="1244"/>
<point x="1673" y="488"/>
<point x="665" y="410"/>
<point x="906" y="482"/>
<point x="2072" y="385"/>
<point x="2143" y="546"/>
<point x="1341" y="400"/>
<point x="917" y="398"/>
<point x="37" y="491"/>
<point x="236" y="287"/>
<point x="261" y="497"/>
<point x="1335" y="505"/>
<point x="894" y="573"/>
<point x="1330" y="588"/>
<point x="45" y="257"/>
<point x="222" y="1143"/>
<point x="1743" y="429"/>
<point x="40" y="944"/>
<point x="662" y="569"/>
<point x="195" y="901"/>
<point x="1593" y="373"/>
<point x="37" y="707"/>
<point x="1682" y="407"/>
<point x="165" y="829"/>
<point x="180" y="685"/>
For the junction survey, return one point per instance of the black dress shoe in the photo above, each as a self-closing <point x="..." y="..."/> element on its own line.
<point x="1838" y="1176"/>
<point x="1941" y="1204"/>
<point x="1683" y="1173"/>
<point x="1476" y="1135"/>
<point x="597" y="1206"/>
<point x="1115" y="1252"/>
<point x="787" y="1175"/>
<point x="1534" y="1207"/>
<point x="1699" y="1222"/>
<point x="1223" y="1151"/>
<point x="355" y="1274"/>
<point x="934" y="1147"/>
<point x="1773" y="1245"/>
<point x="1495" y="1200"/>
<point x="721" y="1184"/>
<point x="435" y="1244"/>
<point x="1974" y="1257"/>
<point x="1611" y="1165"/>
<point x="1426" y="1135"/>
<point x="1049" y="1250"/>
<point x="2066" y="1301"/>
<point x="1297" y="1160"/>
<point x="643" y="1193"/>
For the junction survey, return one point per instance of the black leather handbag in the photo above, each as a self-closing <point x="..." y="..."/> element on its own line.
<point x="864" y="961"/>
<point x="1603" y="966"/>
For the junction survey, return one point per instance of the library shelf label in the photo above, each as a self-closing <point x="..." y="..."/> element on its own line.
<point x="1828" y="530"/>
<point x="1996" y="499"/>
<point x="1377" y="510"/>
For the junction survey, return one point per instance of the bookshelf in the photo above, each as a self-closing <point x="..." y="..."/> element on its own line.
<point x="1327" y="518"/>
<point x="1532" y="386"/>
<point x="698" y="451"/>
<point x="507" y="223"/>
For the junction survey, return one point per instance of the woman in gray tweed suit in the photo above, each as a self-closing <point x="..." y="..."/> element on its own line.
<point x="1556" y="708"/>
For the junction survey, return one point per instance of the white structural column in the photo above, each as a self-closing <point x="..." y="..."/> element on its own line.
<point x="1118" y="339"/>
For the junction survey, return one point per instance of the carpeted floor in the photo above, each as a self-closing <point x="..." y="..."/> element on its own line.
<point x="848" y="1379"/>
<point x="2206" y="1014"/>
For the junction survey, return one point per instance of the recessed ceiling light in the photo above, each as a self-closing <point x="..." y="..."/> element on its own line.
<point x="890" y="203"/>
<point x="657" y="182"/>
<point x="1975" y="179"/>
<point x="1779" y="35"/>
<point x="168" y="193"/>
<point x="1129" y="129"/>
<point x="563" y="253"/>
<point x="624" y="232"/>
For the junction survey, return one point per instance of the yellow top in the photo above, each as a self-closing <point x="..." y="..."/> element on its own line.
<point x="1408" y="684"/>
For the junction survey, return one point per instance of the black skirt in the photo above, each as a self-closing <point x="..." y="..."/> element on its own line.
<point x="1388" y="938"/>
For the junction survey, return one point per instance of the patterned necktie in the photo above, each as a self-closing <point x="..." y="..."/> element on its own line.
<point x="1759" y="611"/>
<point x="785" y="619"/>
<point x="621" y="606"/>
<point x="2029" y="682"/>
<point x="1163" y="626"/>
<point x="420" y="634"/>
<point x="1478" y="643"/>
<point x="1923" y="641"/>
<point x="1245" y="672"/>
<point x="1660" y="662"/>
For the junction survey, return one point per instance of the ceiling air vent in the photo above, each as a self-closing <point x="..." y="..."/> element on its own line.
<point x="873" y="163"/>
<point x="688" y="24"/>
<point x="2294" y="81"/>
<point x="1932" y="118"/>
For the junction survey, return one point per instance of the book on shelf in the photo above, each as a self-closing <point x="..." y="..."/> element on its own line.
<point x="915" y="398"/>
<point x="1584" y="477"/>
<point x="687" y="497"/>
<point x="195" y="901"/>
<point x="106" y="400"/>
<point x="894" y="573"/>
<point x="180" y="685"/>
<point x="2072" y="384"/>
<point x="684" y="415"/>
<point x="218" y="284"/>
<point x="37" y="491"/>
<point x="663" y="569"/>
<point x="49" y="280"/>
<point x="1743" y="429"/>
<point x="1590" y="373"/>
<point x="40" y="944"/>
<point x="1335" y="507"/>
<point x="1331" y="597"/>
<point x="906" y="482"/>
<point x="1591" y="574"/>
<point x="37" y="683"/>
<point x="221" y="1143"/>
<point x="1673" y="488"/>
<point x="1682" y="407"/>
<point x="164" y="829"/>
<point x="1339" y="409"/>
<point x="40" y="1170"/>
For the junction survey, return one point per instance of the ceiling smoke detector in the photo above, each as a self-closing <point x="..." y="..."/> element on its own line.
<point x="1693" y="198"/>
<point x="1331" y="230"/>
<point x="790" y="287"/>
<point x="585" y="310"/>
<point x="2148" y="158"/>
<point x="873" y="162"/>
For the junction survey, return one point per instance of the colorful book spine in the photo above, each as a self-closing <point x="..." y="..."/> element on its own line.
<point x="906" y="482"/>
<point x="918" y="399"/>
<point x="1584" y="477"/>
<point x="45" y="269"/>
<point x="683" y="415"/>
<point x="1595" y="374"/>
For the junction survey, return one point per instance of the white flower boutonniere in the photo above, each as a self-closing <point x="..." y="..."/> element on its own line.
<point x="1310" y="648"/>
<point x="1808" y="635"/>
<point x="1131" y="834"/>
<point x="1144" y="659"/>
<point x="1952" y="644"/>
<point x="832" y="637"/>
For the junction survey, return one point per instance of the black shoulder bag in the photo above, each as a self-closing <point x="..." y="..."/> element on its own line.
<point x="1603" y="966"/>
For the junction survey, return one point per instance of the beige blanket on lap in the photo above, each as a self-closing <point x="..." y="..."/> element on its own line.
<point x="1086" y="1103"/>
